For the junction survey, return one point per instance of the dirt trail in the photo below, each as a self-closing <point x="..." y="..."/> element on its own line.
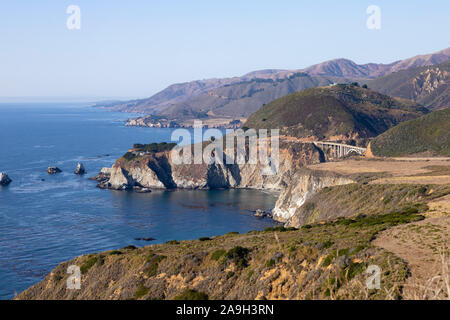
<point x="420" y="244"/>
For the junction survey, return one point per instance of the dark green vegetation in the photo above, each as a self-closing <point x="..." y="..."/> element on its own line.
<point x="148" y="148"/>
<point x="346" y="110"/>
<point x="189" y="294"/>
<point x="90" y="262"/>
<point x="153" y="261"/>
<point x="429" y="135"/>
<point x="154" y="147"/>
<point x="366" y="199"/>
<point x="429" y="86"/>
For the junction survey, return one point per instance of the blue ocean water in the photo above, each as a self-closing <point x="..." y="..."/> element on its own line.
<point x="45" y="219"/>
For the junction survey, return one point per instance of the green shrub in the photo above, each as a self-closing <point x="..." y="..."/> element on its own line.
<point x="154" y="147"/>
<point x="204" y="239"/>
<point x="153" y="261"/>
<point x="216" y="255"/>
<point x="239" y="256"/>
<point x="141" y="291"/>
<point x="279" y="229"/>
<point x="172" y="242"/>
<point x="129" y="156"/>
<point x="89" y="263"/>
<point x="270" y="263"/>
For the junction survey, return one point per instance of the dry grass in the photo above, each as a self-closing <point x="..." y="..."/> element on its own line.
<point x="436" y="287"/>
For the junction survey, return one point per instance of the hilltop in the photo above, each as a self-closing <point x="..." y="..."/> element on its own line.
<point x="429" y="86"/>
<point x="428" y="135"/>
<point x="339" y="112"/>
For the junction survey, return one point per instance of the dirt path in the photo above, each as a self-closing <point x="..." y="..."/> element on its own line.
<point x="420" y="245"/>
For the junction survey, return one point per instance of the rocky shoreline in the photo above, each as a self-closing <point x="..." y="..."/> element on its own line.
<point x="293" y="182"/>
<point x="159" y="122"/>
<point x="4" y="179"/>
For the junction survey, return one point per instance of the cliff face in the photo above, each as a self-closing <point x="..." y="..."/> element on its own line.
<point x="302" y="186"/>
<point x="293" y="181"/>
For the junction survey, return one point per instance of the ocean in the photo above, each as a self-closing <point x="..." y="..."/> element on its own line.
<point x="45" y="220"/>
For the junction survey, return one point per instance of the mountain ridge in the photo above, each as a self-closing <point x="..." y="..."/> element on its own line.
<point x="343" y="69"/>
<point x="429" y="85"/>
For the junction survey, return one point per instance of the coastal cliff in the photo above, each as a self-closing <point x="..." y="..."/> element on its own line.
<point x="295" y="183"/>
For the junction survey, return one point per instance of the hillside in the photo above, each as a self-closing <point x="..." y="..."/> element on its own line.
<point x="429" y="135"/>
<point x="233" y="95"/>
<point x="324" y="259"/>
<point x="243" y="98"/>
<point x="310" y="263"/>
<point x="429" y="86"/>
<point x="340" y="112"/>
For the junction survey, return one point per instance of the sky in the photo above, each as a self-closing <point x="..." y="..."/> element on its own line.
<point x="133" y="49"/>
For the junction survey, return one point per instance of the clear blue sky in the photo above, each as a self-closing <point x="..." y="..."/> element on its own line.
<point x="136" y="48"/>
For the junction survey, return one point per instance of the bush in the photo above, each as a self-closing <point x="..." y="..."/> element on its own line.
<point x="279" y="229"/>
<point x="90" y="262"/>
<point x="216" y="255"/>
<point x="141" y="291"/>
<point x="270" y="263"/>
<point x="204" y="239"/>
<point x="239" y="256"/>
<point x="190" y="294"/>
<point x="129" y="156"/>
<point x="153" y="261"/>
<point x="154" y="147"/>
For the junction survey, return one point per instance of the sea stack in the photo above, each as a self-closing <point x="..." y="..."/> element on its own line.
<point x="53" y="170"/>
<point x="80" y="170"/>
<point x="4" y="179"/>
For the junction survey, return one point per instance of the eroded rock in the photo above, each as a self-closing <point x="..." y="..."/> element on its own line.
<point x="4" y="179"/>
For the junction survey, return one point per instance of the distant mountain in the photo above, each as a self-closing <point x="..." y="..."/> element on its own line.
<point x="429" y="86"/>
<point x="218" y="95"/>
<point x="349" y="69"/>
<point x="243" y="98"/>
<point x="346" y="113"/>
<point x="427" y="135"/>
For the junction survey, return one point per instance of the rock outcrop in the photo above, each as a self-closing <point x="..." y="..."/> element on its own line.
<point x="53" y="170"/>
<point x="80" y="170"/>
<point x="301" y="187"/>
<point x="4" y="179"/>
